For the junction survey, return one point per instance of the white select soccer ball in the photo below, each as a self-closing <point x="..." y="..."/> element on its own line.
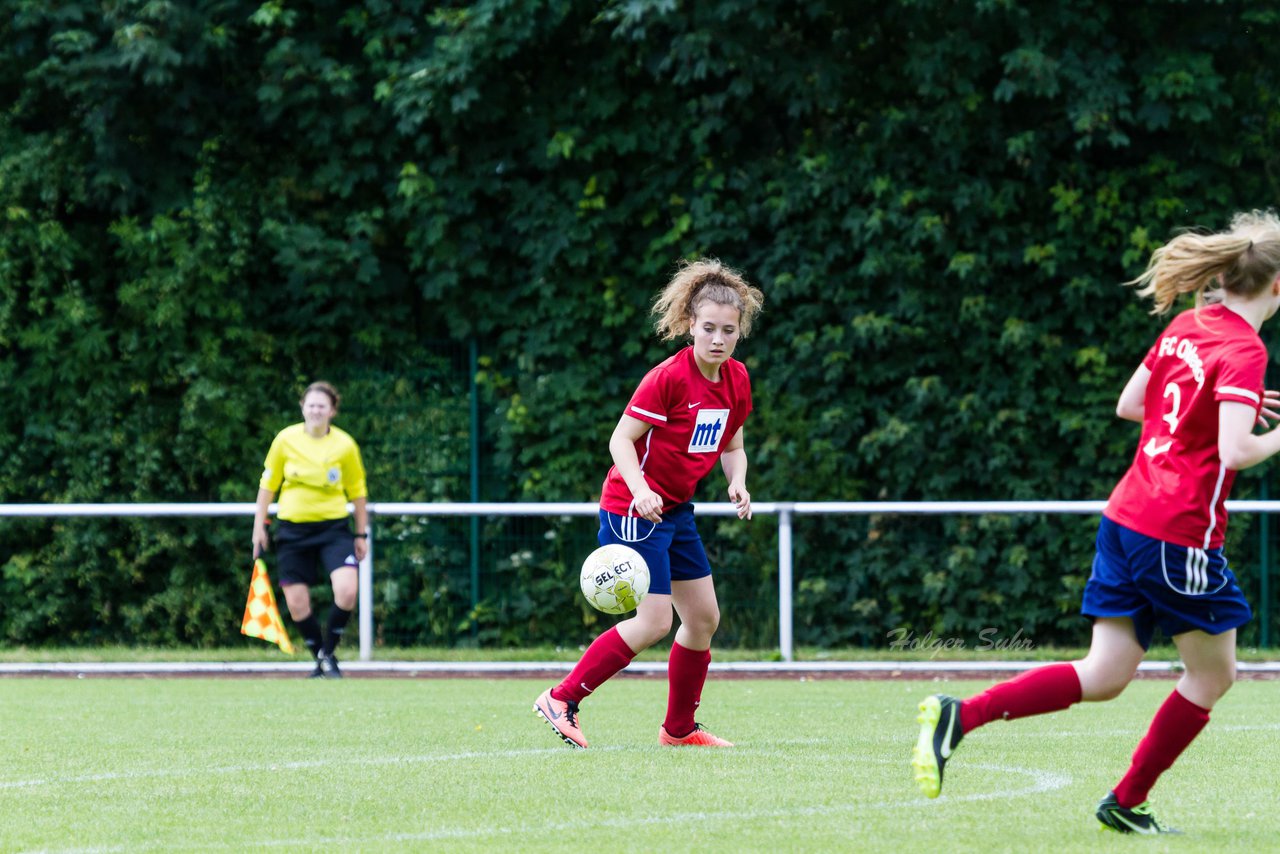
<point x="614" y="578"/>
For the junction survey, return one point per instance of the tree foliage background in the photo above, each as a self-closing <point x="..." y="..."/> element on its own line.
<point x="207" y="204"/>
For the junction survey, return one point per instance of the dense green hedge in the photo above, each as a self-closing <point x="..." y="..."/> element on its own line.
<point x="208" y="204"/>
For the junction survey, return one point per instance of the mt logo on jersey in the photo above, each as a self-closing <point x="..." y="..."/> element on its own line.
<point x="708" y="431"/>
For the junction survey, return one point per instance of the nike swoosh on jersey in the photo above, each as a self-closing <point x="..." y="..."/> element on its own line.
<point x="692" y="405"/>
<point x="1151" y="448"/>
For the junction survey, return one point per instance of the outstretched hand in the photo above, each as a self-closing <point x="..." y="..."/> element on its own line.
<point x="1270" y="408"/>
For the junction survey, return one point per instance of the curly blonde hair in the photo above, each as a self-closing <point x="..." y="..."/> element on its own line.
<point x="1243" y="260"/>
<point x="697" y="283"/>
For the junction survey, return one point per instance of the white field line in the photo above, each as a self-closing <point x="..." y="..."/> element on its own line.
<point x="1039" y="781"/>
<point x="286" y="766"/>
<point x="444" y="668"/>
<point x="1140" y="729"/>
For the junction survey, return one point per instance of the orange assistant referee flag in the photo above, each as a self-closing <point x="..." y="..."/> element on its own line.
<point x="261" y="616"/>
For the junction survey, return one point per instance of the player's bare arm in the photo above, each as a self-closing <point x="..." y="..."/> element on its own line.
<point x="734" y="464"/>
<point x="622" y="447"/>
<point x="361" y="506"/>
<point x="260" y="521"/>
<point x="1238" y="447"/>
<point x="1132" y="406"/>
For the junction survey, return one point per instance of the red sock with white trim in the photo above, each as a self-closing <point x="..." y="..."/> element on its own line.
<point x="1045" y="689"/>
<point x="1174" y="727"/>
<point x="607" y="655"/>
<point x="686" y="674"/>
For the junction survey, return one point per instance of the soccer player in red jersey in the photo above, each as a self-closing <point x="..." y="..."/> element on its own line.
<point x="1159" y="561"/>
<point x="686" y="414"/>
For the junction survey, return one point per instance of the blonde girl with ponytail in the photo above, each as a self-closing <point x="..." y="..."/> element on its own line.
<point x="1198" y="395"/>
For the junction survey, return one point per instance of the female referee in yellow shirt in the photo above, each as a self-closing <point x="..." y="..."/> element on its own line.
<point x="316" y="468"/>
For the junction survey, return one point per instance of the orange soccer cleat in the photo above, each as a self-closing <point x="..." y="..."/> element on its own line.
<point x="698" y="738"/>
<point x="563" y="718"/>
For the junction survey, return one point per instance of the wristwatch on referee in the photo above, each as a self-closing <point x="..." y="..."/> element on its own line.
<point x="363" y="536"/>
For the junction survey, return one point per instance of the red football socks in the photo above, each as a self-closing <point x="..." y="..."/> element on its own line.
<point x="607" y="655"/>
<point x="1175" y="726"/>
<point x="1036" y="692"/>
<point x="686" y="674"/>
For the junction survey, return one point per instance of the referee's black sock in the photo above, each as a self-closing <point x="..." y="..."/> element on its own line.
<point x="337" y="625"/>
<point x="311" y="636"/>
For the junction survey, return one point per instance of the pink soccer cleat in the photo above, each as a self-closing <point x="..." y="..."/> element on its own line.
<point x="563" y="718"/>
<point x="698" y="738"/>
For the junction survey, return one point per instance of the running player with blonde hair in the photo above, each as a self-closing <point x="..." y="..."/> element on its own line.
<point x="687" y="413"/>
<point x="1159" y="560"/>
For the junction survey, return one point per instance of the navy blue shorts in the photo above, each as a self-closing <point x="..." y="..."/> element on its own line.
<point x="304" y="549"/>
<point x="672" y="548"/>
<point x="1156" y="583"/>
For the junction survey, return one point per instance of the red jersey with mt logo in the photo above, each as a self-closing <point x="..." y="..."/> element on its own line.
<point x="1177" y="487"/>
<point x="693" y="420"/>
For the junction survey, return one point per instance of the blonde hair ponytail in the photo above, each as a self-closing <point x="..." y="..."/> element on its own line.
<point x="697" y="283"/>
<point x="1243" y="260"/>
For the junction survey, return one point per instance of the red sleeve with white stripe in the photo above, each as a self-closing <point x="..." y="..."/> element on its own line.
<point x="1241" y="378"/>
<point x="651" y="401"/>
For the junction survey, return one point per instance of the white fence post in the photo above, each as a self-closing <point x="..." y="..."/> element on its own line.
<point x="366" y="598"/>
<point x="785" y="639"/>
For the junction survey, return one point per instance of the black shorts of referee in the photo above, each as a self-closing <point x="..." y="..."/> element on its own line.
<point x="305" y="550"/>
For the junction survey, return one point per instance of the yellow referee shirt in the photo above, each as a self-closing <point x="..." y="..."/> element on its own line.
<point x="315" y="477"/>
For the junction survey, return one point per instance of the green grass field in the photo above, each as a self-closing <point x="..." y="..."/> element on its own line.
<point x="464" y="765"/>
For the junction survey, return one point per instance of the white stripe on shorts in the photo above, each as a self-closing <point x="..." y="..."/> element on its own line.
<point x="1197" y="580"/>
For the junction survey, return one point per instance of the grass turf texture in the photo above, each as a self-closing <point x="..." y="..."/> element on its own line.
<point x="465" y="765"/>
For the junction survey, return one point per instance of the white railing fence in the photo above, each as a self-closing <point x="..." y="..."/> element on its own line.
<point x="784" y="510"/>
